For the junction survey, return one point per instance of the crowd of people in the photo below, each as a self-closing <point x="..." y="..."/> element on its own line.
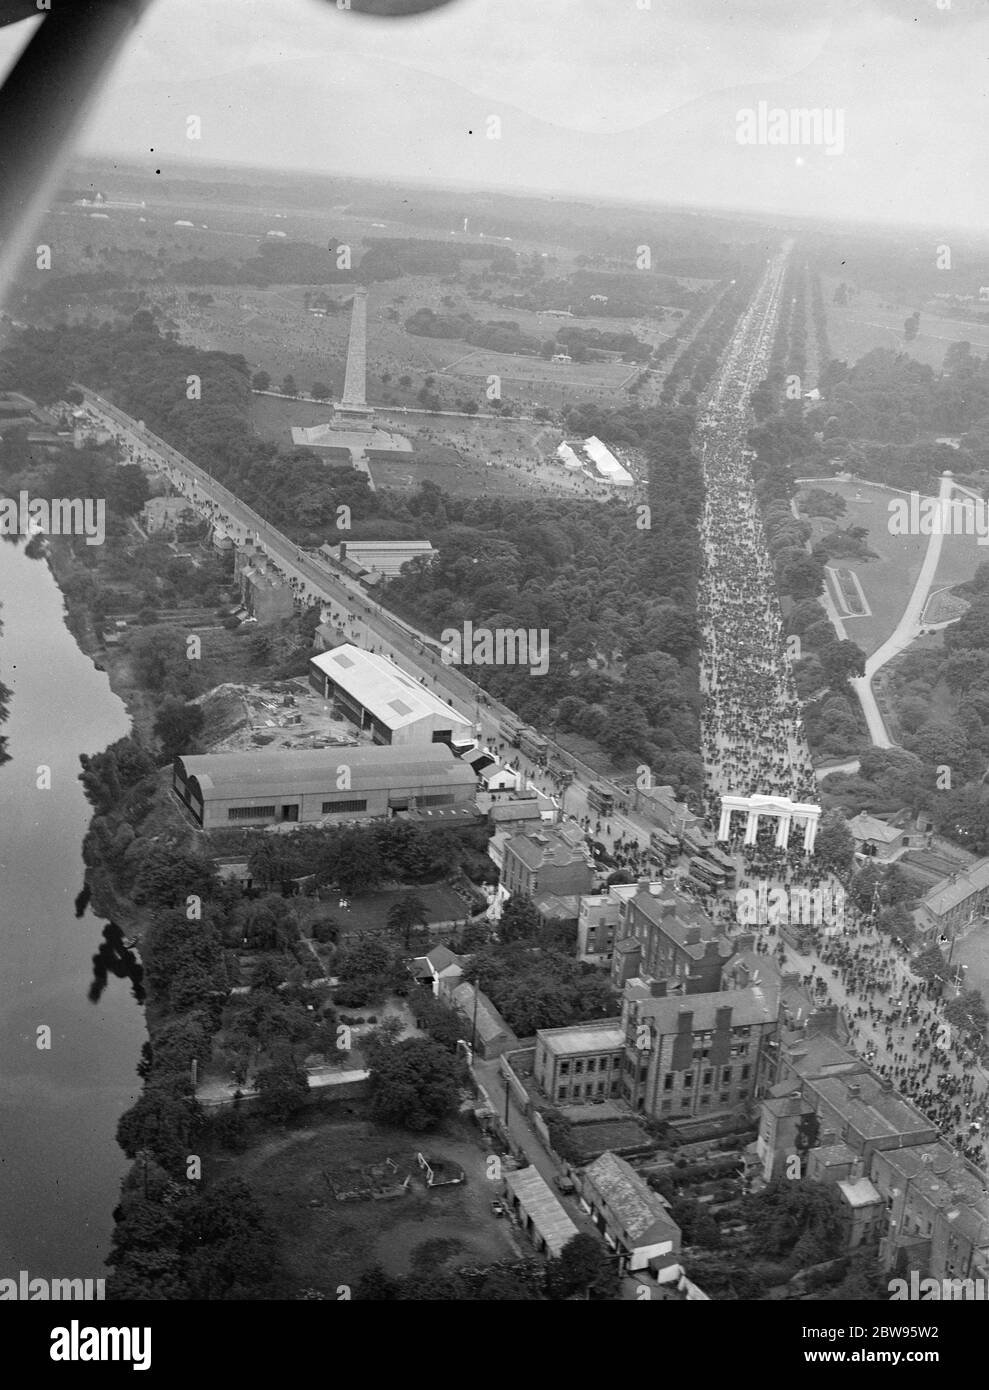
<point x="753" y="743"/>
<point x="751" y="735"/>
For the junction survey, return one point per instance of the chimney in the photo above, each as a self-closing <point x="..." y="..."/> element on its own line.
<point x="343" y="550"/>
<point x="858" y="1170"/>
<point x="667" y="910"/>
<point x="657" y="988"/>
<point x="722" y="1018"/>
<point x="642" y="886"/>
<point x="692" y="936"/>
<point x="685" y="1021"/>
<point x="854" y="1090"/>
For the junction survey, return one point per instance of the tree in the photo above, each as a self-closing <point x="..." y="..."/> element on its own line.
<point x="289" y="387"/>
<point x="284" y="1090"/>
<point x="583" y="1266"/>
<point x="177" y="726"/>
<point x="835" y="844"/>
<point x="261" y="381"/>
<point x="968" y="1013"/>
<point x="414" y="1083"/>
<point x="405" y="914"/>
<point x="375" y="1284"/>
<point x="841" y="661"/>
<point x="519" y="920"/>
<point x="930" y="965"/>
<point x="320" y="391"/>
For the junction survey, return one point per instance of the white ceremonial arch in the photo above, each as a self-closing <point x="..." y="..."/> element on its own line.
<point x="785" y="811"/>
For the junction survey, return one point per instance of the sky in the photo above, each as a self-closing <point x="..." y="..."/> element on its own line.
<point x="633" y="99"/>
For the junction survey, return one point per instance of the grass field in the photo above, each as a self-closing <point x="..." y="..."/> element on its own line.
<point x="369" y="912"/>
<point x="324" y="1243"/>
<point x="888" y="581"/>
<point x="869" y="322"/>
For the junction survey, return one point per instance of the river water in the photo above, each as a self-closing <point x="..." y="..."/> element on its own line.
<point x="60" y="1167"/>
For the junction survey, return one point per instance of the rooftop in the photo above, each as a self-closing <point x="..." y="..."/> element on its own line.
<point x="606" y="1036"/>
<point x="748" y="1006"/>
<point x="294" y="771"/>
<point x="536" y="848"/>
<point x="866" y="827"/>
<point x="487" y="1020"/>
<point x="640" y="1212"/>
<point x="862" y="1101"/>
<point x="389" y="693"/>
<point x="547" y="1215"/>
<point x="953" y="891"/>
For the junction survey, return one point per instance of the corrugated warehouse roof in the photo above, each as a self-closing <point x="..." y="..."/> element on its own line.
<point x="547" y="1215"/>
<point x="389" y="693"/>
<point x="291" y="772"/>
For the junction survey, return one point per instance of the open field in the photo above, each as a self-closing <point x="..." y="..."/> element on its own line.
<point x="869" y="322"/>
<point x="369" y="912"/>
<point x="325" y="1243"/>
<point x="973" y="952"/>
<point x="888" y="582"/>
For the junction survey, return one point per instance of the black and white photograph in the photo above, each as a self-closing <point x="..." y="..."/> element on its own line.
<point x="494" y="666"/>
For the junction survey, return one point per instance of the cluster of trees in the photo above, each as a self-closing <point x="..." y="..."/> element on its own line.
<point x="146" y="373"/>
<point x="188" y="1240"/>
<point x="619" y="602"/>
<point x="534" y="987"/>
<point x="697" y="363"/>
<point x="623" y="294"/>
<point x="889" y="398"/>
<point x="591" y="341"/>
<point x="363" y="857"/>
<point x="497" y="335"/>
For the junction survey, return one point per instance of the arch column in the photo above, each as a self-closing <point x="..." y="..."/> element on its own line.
<point x="783" y="831"/>
<point x="724" y="828"/>
<point x="810" y="833"/>
<point x="751" y="827"/>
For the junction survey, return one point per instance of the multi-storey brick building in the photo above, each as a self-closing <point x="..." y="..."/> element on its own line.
<point x="699" y="1055"/>
<point x="581" y="1063"/>
<point x="664" y="935"/>
<point x="554" y="860"/>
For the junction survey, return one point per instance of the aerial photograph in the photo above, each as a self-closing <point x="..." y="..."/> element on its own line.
<point x="494" y="661"/>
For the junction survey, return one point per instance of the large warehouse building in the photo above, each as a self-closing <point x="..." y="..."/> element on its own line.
<point x="326" y="784"/>
<point x="380" y="698"/>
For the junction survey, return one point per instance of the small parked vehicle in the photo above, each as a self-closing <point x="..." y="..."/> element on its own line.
<point x="564" y="1184"/>
<point x="498" y="1208"/>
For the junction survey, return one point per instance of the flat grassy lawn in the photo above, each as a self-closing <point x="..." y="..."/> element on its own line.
<point x="864" y="324"/>
<point x="369" y="912"/>
<point x="973" y="952"/>
<point x="325" y="1243"/>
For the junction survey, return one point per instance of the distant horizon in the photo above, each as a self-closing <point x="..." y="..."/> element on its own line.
<point x="199" y="171"/>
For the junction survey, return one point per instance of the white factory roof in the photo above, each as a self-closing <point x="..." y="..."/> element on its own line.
<point x="392" y="696"/>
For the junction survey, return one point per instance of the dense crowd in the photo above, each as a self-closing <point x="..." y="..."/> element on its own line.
<point x="750" y="719"/>
<point x="753" y="744"/>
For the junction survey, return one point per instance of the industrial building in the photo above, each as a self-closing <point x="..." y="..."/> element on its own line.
<point x="382" y="559"/>
<point x="307" y="786"/>
<point x="383" y="700"/>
